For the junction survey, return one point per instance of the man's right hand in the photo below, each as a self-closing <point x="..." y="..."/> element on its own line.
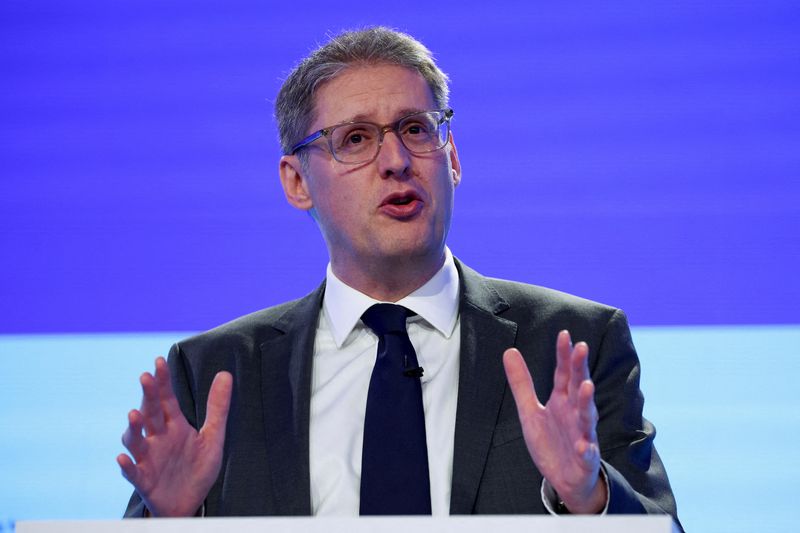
<point x="175" y="465"/>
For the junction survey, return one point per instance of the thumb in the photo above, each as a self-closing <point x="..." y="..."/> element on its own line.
<point x="521" y="384"/>
<point x="219" y="402"/>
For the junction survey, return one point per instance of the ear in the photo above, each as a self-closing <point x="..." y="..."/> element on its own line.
<point x="295" y="185"/>
<point x="455" y="164"/>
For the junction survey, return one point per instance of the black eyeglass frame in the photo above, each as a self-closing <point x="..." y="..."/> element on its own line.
<point x="447" y="115"/>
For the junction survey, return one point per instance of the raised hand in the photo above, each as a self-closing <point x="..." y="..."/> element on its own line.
<point x="561" y="436"/>
<point x="175" y="465"/>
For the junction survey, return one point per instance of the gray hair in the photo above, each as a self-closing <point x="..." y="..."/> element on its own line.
<point x="294" y="107"/>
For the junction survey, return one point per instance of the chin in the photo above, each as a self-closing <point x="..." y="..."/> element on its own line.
<point x="403" y="250"/>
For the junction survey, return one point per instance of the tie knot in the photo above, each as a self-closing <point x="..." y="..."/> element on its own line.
<point x="386" y="318"/>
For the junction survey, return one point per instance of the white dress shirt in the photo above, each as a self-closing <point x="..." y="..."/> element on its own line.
<point x="344" y="355"/>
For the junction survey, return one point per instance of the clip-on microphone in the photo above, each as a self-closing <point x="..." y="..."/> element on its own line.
<point x="415" y="372"/>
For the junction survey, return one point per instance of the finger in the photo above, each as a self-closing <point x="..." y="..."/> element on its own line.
<point x="152" y="413"/>
<point x="579" y="369"/>
<point x="133" y="439"/>
<point x="563" y="350"/>
<point x="585" y="364"/>
<point x="166" y="395"/>
<point x="129" y="470"/>
<point x="589" y="453"/>
<point x="217" y="407"/>
<point x="521" y="384"/>
<point x="587" y="411"/>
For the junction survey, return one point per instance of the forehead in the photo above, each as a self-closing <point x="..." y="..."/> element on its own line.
<point x="377" y="93"/>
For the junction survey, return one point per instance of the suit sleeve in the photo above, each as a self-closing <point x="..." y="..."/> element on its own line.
<point x="182" y="387"/>
<point x="637" y="479"/>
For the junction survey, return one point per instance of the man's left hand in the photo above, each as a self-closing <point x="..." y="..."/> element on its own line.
<point x="562" y="435"/>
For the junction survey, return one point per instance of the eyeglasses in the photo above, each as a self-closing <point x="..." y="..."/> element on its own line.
<point x="353" y="143"/>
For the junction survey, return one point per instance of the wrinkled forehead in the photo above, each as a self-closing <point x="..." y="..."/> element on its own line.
<point x="378" y="93"/>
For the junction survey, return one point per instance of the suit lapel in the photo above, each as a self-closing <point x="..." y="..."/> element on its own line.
<point x="286" y="358"/>
<point x="481" y="383"/>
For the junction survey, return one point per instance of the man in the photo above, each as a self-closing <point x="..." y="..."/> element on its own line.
<point x="283" y="397"/>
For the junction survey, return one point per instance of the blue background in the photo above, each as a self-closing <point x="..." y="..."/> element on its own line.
<point x="644" y="154"/>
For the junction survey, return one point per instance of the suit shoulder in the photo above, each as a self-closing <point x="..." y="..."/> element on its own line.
<point x="259" y="325"/>
<point x="544" y="301"/>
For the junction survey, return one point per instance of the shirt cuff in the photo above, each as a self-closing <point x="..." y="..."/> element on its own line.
<point x="555" y="506"/>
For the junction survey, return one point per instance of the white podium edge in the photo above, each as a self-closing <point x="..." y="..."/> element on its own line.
<point x="450" y="524"/>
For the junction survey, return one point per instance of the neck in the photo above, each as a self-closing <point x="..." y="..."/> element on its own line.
<point x="389" y="281"/>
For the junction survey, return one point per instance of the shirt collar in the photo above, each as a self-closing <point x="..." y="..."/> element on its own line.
<point x="436" y="302"/>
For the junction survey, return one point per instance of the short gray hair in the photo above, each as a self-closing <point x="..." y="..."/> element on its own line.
<point x="294" y="106"/>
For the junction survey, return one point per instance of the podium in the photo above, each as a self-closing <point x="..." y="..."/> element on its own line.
<point x="450" y="524"/>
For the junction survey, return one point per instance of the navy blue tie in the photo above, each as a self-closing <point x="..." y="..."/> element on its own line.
<point x="394" y="463"/>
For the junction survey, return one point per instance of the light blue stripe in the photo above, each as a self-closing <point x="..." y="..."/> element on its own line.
<point x="63" y="406"/>
<point x="723" y="400"/>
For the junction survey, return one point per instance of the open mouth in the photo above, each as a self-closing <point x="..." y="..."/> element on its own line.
<point x="403" y="198"/>
<point x="402" y="204"/>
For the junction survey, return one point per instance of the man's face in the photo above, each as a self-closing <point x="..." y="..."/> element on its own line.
<point x="396" y="208"/>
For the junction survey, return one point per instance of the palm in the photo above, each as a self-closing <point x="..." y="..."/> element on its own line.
<point x="175" y="464"/>
<point x="561" y="436"/>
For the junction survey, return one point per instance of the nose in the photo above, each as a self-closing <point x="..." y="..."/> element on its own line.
<point x="394" y="158"/>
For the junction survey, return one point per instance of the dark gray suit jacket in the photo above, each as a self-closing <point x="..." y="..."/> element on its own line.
<point x="265" y="468"/>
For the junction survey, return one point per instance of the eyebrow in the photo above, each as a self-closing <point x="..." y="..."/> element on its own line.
<point x="362" y="117"/>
